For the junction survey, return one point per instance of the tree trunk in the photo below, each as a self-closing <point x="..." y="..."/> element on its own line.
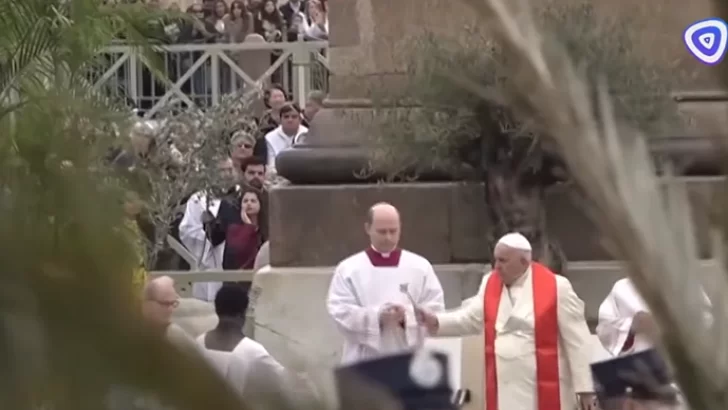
<point x="513" y="207"/>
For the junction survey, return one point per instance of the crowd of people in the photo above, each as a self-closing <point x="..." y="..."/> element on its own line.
<point x="226" y="229"/>
<point x="222" y="21"/>
<point x="385" y="301"/>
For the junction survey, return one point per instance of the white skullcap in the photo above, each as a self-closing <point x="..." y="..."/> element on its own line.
<point x="516" y="241"/>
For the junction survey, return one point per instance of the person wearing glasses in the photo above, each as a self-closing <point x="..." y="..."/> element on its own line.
<point x="160" y="301"/>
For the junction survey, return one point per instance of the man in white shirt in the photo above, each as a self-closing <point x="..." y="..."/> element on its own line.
<point x="285" y="135"/>
<point x="537" y="345"/>
<point x="373" y="293"/>
<point x="625" y="323"/>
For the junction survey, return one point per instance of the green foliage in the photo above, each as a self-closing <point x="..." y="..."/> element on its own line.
<point x="451" y="123"/>
<point x="70" y="327"/>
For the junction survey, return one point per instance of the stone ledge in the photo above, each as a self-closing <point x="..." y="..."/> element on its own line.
<point x="292" y="322"/>
<point x="319" y="225"/>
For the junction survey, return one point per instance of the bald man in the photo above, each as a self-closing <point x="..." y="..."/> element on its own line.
<point x="373" y="294"/>
<point x="160" y="301"/>
<point x="537" y="344"/>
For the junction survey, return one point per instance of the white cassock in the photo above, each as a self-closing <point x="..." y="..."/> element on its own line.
<point x="367" y="281"/>
<point x="615" y="319"/>
<point x="192" y="234"/>
<point x="514" y="342"/>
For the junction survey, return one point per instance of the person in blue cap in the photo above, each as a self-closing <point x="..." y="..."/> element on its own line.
<point x="639" y="381"/>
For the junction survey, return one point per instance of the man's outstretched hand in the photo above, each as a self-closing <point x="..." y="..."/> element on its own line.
<point x="428" y="320"/>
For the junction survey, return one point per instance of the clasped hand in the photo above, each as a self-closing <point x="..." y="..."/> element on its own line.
<point x="391" y="315"/>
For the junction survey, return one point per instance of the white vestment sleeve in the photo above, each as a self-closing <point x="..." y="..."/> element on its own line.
<point x="432" y="297"/>
<point x="465" y="320"/>
<point x="357" y="323"/>
<point x="614" y="323"/>
<point x="574" y="335"/>
<point x="192" y="232"/>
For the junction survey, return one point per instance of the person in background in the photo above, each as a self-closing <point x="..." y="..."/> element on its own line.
<point x="269" y="22"/>
<point x="244" y="363"/>
<point x="240" y="226"/>
<point x="253" y="170"/>
<point x="625" y="323"/>
<point x="273" y="99"/>
<point x="314" y="103"/>
<point x="242" y="145"/>
<point x="290" y="10"/>
<point x="374" y="293"/>
<point x="198" y="29"/>
<point x="201" y="210"/>
<point x="285" y="135"/>
<point x="160" y="301"/>
<point x="319" y="16"/>
<point x="239" y="23"/>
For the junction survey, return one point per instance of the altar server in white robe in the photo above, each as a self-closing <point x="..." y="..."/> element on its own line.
<point x="372" y="292"/>
<point x="200" y="207"/>
<point x="625" y="323"/>
<point x="537" y="344"/>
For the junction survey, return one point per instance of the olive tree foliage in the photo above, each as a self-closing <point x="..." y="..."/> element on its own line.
<point x="439" y="121"/>
<point x="183" y="151"/>
<point x="71" y="329"/>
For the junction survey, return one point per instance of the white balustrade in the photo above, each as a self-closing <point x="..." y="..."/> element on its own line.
<point x="198" y="75"/>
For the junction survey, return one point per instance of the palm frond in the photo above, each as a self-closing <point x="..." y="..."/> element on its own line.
<point x="647" y="225"/>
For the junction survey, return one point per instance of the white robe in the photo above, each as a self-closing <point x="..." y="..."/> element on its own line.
<point x="192" y="234"/>
<point x="615" y="318"/>
<point x="359" y="290"/>
<point x="249" y="360"/>
<point x="515" y="347"/>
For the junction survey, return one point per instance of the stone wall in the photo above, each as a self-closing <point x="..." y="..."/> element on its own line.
<point x="292" y="322"/>
<point x="369" y="36"/>
<point x="445" y="222"/>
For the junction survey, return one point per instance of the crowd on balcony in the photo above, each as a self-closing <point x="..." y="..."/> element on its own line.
<point x="225" y="21"/>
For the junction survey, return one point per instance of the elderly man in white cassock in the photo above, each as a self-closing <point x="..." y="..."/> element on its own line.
<point x="373" y="293"/>
<point x="626" y="325"/>
<point x="537" y="344"/>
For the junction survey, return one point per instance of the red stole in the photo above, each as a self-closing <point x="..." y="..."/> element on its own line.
<point x="546" y="332"/>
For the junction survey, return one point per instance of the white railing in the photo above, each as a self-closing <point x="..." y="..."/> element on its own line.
<point x="198" y="75"/>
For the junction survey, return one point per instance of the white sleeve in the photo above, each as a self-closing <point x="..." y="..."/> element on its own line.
<point x="191" y="232"/>
<point x="357" y="323"/>
<point x="271" y="160"/>
<point x="614" y="323"/>
<point x="432" y="297"/>
<point x="574" y="334"/>
<point x="465" y="320"/>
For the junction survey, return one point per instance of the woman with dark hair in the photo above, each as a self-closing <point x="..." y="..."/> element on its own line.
<point x="269" y="22"/>
<point x="239" y="23"/>
<point x="273" y="99"/>
<point x="240" y="223"/>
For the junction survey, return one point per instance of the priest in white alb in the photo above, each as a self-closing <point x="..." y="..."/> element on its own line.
<point x="625" y="323"/>
<point x="537" y="344"/>
<point x="373" y="293"/>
